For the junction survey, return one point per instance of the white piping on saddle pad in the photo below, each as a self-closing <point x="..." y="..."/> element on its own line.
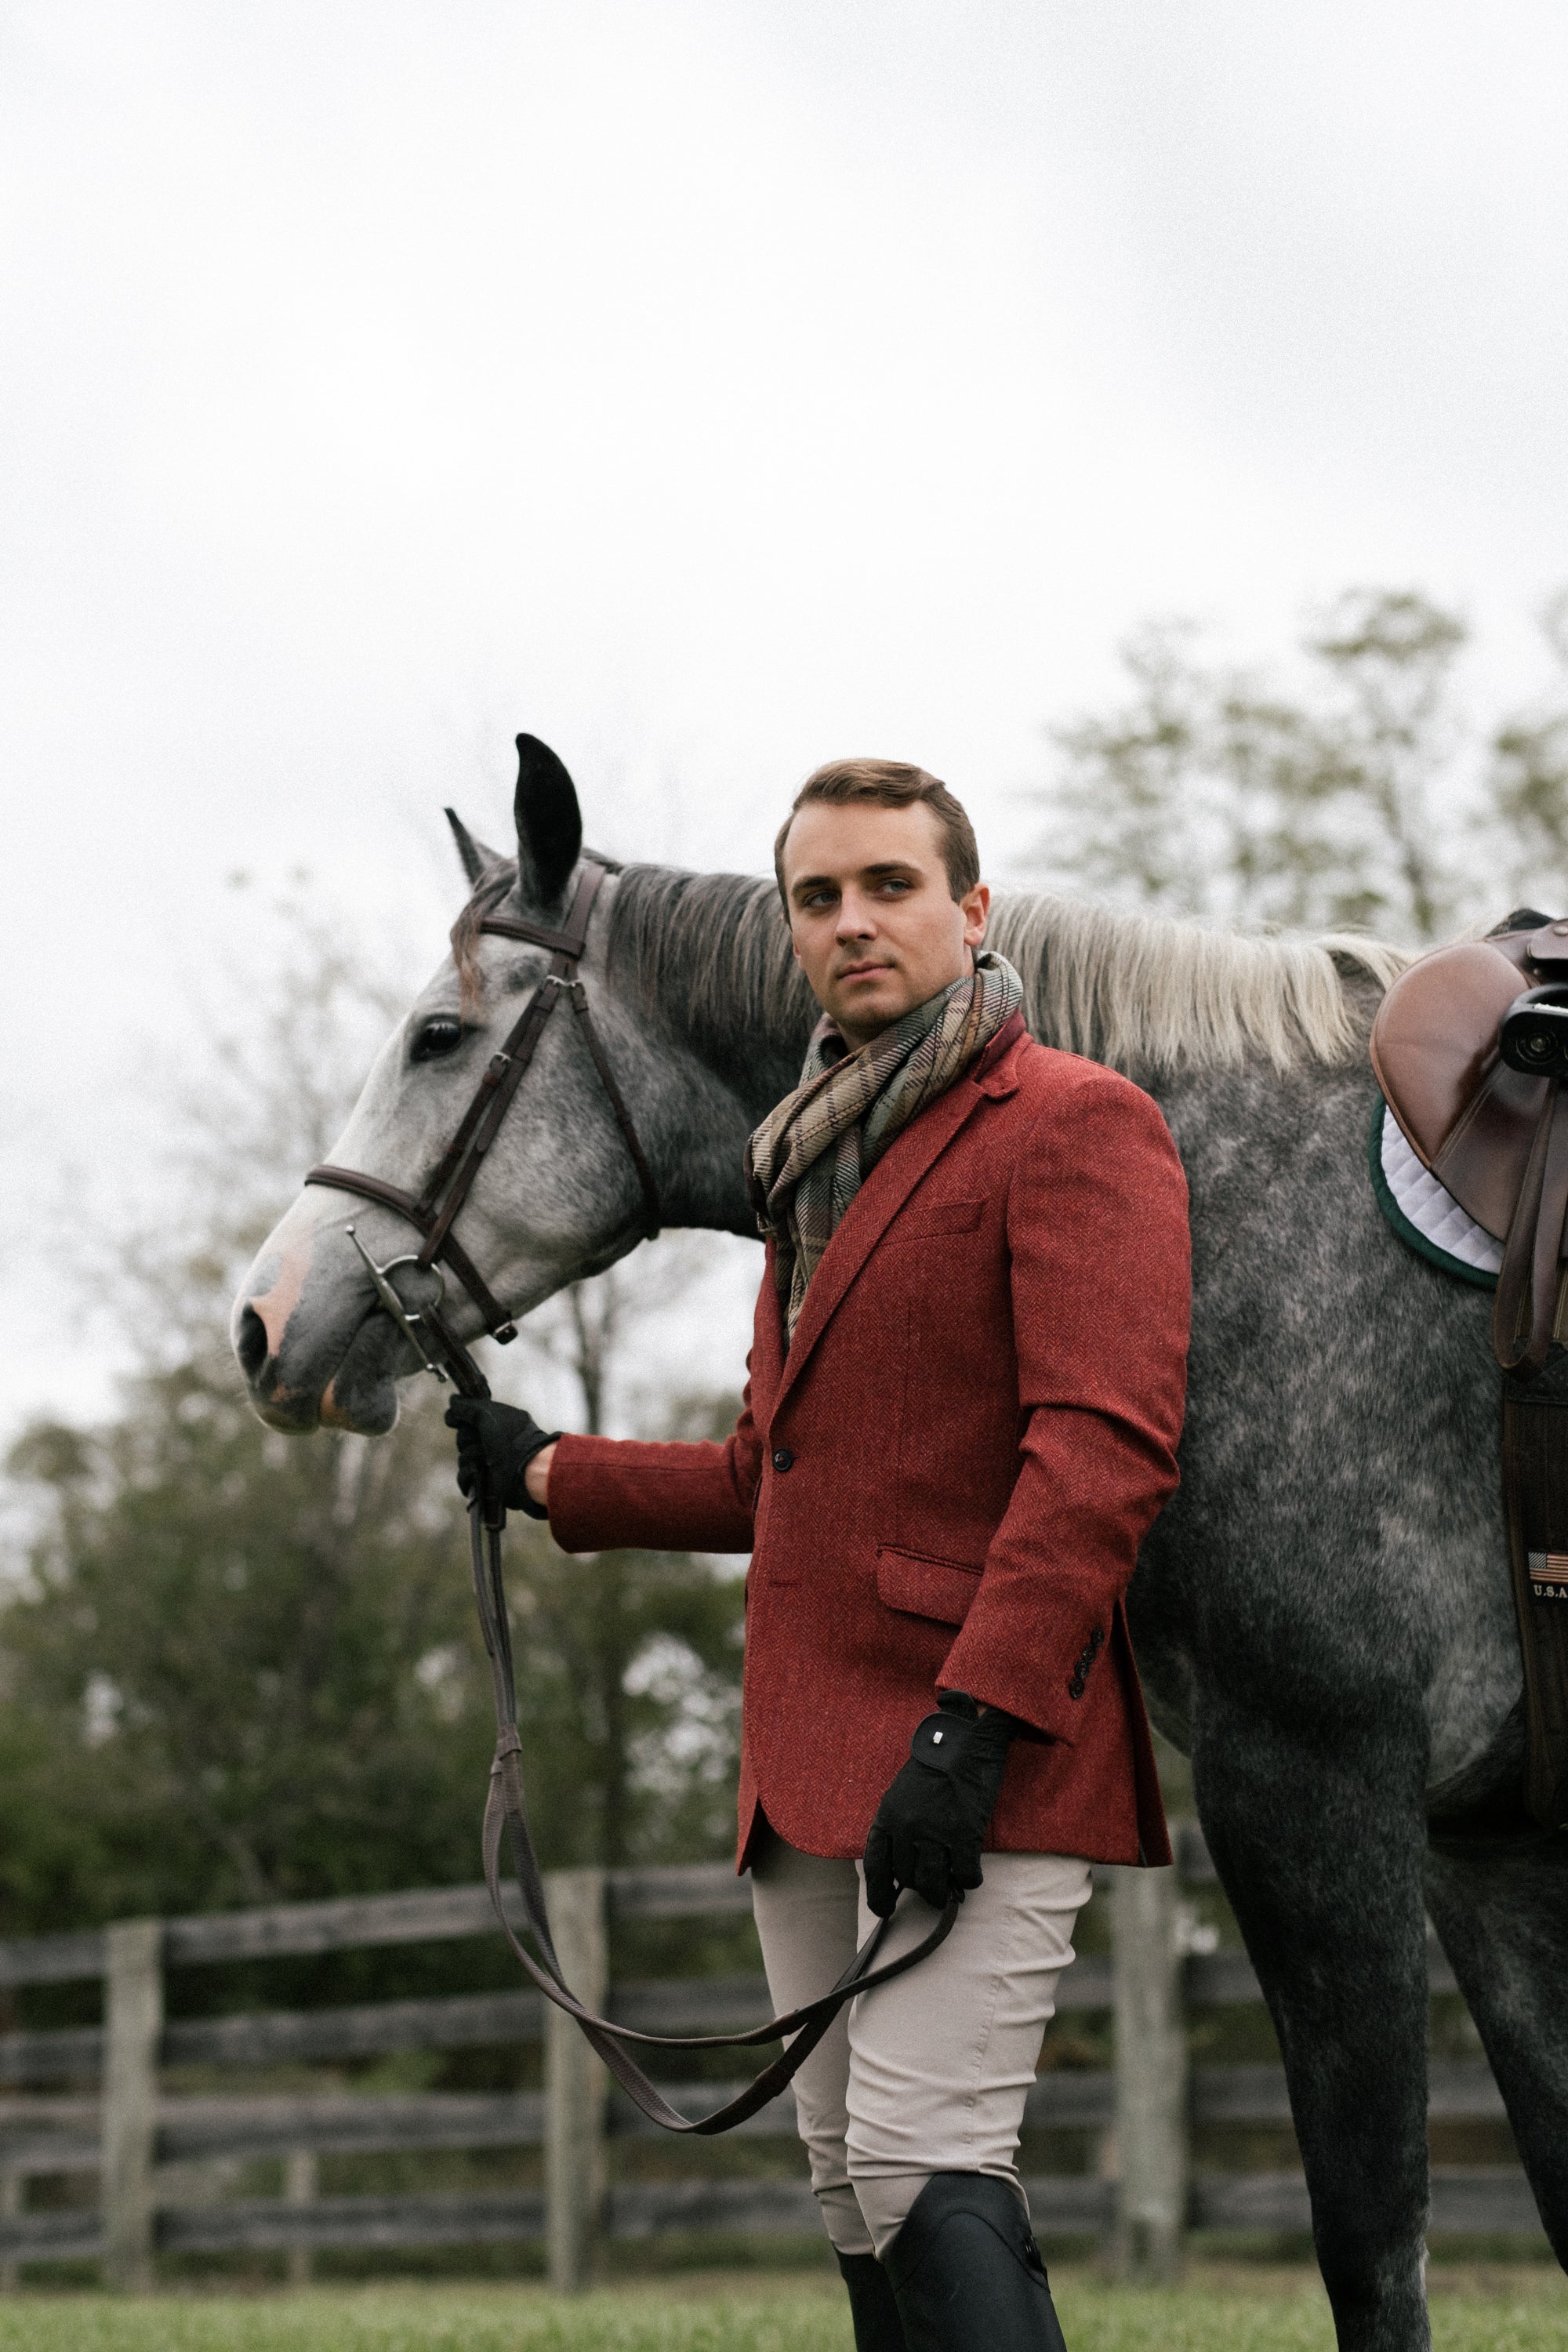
<point x="1433" y="1213"/>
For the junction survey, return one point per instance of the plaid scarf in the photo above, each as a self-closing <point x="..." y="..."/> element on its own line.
<point x="810" y="1157"/>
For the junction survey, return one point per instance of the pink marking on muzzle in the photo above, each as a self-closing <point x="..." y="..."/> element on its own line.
<point x="275" y="1307"/>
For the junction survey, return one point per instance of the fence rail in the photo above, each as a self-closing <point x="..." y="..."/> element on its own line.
<point x="64" y="2135"/>
<point x="142" y="2143"/>
<point x="676" y="2005"/>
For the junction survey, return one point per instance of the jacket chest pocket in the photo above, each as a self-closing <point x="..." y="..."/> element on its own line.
<point x="919" y="1586"/>
<point x="941" y="1218"/>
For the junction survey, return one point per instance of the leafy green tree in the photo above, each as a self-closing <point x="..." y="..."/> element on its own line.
<point x="244" y="1668"/>
<point x="246" y="1661"/>
<point x="1360" y="799"/>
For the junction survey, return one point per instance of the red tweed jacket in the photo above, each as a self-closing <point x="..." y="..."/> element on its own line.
<point x="944" y="1483"/>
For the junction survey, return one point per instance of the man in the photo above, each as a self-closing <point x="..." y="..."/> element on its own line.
<point x="965" y="1394"/>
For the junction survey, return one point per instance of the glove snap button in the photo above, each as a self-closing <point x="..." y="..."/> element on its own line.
<point x="936" y="1739"/>
<point x="783" y="1458"/>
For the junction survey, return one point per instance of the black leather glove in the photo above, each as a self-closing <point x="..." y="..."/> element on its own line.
<point x="496" y="1443"/>
<point x="930" y="1825"/>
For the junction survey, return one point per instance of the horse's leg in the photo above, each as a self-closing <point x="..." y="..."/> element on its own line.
<point x="1319" y="1851"/>
<point x="1500" y="1905"/>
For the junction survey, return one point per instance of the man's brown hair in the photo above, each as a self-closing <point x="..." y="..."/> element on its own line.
<point x="895" y="784"/>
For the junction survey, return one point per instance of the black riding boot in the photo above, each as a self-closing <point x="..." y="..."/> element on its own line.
<point x="966" y="2274"/>
<point x="877" y="2327"/>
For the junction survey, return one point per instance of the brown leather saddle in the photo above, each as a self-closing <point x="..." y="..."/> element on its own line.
<point x="1470" y="1048"/>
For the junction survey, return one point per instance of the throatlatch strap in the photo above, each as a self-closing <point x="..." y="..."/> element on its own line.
<point x="1535" y="1495"/>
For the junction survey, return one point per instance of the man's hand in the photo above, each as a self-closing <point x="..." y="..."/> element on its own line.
<point x="931" y="1823"/>
<point x="496" y="1444"/>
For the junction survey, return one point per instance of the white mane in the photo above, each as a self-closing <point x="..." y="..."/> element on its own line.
<point x="1145" y="993"/>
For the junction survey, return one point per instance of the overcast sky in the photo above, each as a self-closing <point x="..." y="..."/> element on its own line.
<point x="712" y="387"/>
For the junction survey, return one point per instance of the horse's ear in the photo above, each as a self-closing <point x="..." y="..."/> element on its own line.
<point x="476" y="854"/>
<point x="549" y="823"/>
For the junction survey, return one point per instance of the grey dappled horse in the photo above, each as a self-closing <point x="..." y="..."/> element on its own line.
<point x="1322" y="1615"/>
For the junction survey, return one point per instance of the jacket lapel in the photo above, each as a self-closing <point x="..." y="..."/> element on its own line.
<point x="870" y="1213"/>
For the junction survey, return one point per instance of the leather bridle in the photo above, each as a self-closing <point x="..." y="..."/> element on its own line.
<point x="432" y="1211"/>
<point x="434" y="1208"/>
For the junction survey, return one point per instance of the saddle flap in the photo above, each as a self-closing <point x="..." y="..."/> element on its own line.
<point x="1482" y="1164"/>
<point x="1467" y="1116"/>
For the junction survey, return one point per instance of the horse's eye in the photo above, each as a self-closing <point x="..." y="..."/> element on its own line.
<point x="442" y="1033"/>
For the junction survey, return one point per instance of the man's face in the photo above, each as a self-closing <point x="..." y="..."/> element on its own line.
<point x="875" y="925"/>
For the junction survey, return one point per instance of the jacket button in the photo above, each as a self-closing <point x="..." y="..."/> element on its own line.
<point x="783" y="1458"/>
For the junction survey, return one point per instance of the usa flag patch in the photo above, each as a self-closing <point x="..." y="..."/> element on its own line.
<point x="1549" y="1575"/>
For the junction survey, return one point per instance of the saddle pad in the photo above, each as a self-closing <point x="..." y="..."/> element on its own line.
<point x="1427" y="1218"/>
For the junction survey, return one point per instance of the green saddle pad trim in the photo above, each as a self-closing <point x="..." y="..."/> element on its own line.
<point x="1408" y="1233"/>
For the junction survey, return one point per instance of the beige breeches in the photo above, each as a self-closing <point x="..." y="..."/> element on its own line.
<point x="928" y="2074"/>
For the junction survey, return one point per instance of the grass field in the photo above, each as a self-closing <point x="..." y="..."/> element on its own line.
<point x="1274" y="2313"/>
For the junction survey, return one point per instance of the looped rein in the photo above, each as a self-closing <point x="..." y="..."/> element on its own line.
<point x="506" y="1818"/>
<point x="433" y="1211"/>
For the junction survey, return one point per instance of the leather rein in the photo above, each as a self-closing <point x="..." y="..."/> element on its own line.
<point x="433" y="1212"/>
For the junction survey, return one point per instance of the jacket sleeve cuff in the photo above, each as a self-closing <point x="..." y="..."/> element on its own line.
<point x="608" y="1494"/>
<point x="1042" y="1684"/>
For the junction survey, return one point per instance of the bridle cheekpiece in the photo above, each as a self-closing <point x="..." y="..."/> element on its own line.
<point x="434" y="1208"/>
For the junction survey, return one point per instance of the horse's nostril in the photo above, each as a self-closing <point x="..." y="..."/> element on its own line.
<point x="250" y="1343"/>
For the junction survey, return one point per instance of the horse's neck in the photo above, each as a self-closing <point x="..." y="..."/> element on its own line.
<point x="708" y="1114"/>
<point x="735" y="1018"/>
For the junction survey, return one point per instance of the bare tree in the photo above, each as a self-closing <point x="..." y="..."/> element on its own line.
<point x="1364" y="798"/>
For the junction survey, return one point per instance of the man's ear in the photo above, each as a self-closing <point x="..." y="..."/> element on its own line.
<point x="976" y="906"/>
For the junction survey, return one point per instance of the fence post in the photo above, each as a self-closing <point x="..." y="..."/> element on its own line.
<point x="133" y="2028"/>
<point x="1152" y="2134"/>
<point x="302" y="2180"/>
<point x="12" y="2183"/>
<point x="574" y="2083"/>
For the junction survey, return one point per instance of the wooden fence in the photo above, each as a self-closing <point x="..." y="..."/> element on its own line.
<point x="1143" y="2194"/>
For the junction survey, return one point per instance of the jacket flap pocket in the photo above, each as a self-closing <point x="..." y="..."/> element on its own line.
<point x="942" y="1589"/>
<point x="942" y="1217"/>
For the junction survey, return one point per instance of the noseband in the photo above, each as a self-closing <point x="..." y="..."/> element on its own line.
<point x="433" y="1209"/>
